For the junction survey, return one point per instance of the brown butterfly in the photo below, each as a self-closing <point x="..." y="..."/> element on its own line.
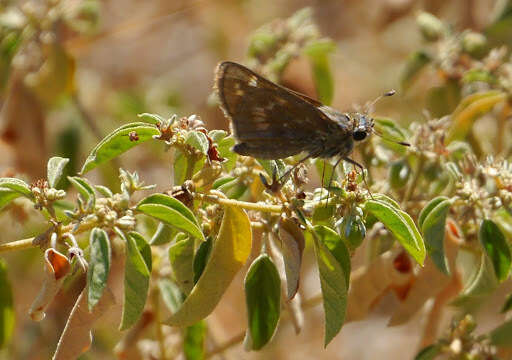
<point x="270" y="121"/>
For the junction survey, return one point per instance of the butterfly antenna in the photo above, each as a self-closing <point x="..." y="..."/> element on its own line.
<point x="403" y="143"/>
<point x="369" y="107"/>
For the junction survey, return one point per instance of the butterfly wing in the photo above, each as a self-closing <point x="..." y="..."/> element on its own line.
<point x="268" y="120"/>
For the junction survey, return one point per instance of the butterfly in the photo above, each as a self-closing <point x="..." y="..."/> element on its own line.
<point x="270" y="121"/>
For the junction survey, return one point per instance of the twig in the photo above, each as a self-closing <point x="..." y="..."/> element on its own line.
<point x="17" y="245"/>
<point x="242" y="204"/>
<point x="87" y="118"/>
<point x="237" y="339"/>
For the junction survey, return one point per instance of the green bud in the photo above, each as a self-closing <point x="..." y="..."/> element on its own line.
<point x="353" y="230"/>
<point x="430" y="26"/>
<point x="475" y="44"/>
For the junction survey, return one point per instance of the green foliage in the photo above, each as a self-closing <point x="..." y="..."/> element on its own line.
<point x="136" y="283"/>
<point x="496" y="248"/>
<point x="401" y="226"/>
<point x="229" y="253"/>
<point x="99" y="266"/>
<point x="193" y="344"/>
<point x="432" y="221"/>
<point x="263" y="299"/>
<point x="443" y="186"/>
<point x="333" y="280"/>
<point x="118" y="142"/>
<point x="171" y="212"/>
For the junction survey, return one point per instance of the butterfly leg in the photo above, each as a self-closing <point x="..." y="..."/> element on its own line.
<point x="361" y="167"/>
<point x="330" y="179"/>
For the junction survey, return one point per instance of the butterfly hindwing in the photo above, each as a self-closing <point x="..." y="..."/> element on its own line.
<point x="268" y="120"/>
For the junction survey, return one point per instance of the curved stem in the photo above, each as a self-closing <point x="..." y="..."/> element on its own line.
<point x="242" y="204"/>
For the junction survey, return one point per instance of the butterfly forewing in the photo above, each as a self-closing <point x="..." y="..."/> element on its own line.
<point x="268" y="120"/>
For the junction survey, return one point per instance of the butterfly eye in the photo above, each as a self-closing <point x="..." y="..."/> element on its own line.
<point x="359" y="135"/>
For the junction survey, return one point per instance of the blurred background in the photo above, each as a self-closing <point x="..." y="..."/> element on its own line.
<point x="72" y="71"/>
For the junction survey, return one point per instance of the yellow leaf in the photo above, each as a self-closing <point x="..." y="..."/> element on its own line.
<point x="229" y="253"/>
<point x="470" y="109"/>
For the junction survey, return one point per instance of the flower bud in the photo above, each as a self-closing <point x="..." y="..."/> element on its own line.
<point x="430" y="26"/>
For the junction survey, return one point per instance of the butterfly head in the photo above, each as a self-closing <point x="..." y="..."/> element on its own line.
<point x="362" y="126"/>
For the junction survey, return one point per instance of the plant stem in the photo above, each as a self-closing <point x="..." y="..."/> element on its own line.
<point x="237" y="339"/>
<point x="87" y="118"/>
<point x="191" y="163"/>
<point x="158" y="323"/>
<point x="414" y="182"/>
<point x="242" y="204"/>
<point x="17" y="245"/>
<point x="28" y="243"/>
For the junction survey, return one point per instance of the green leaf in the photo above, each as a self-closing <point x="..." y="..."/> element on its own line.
<point x="163" y="235"/>
<point x="428" y="208"/>
<point x="337" y="247"/>
<point x="55" y="169"/>
<point x="103" y="190"/>
<point x="400" y="225"/>
<point x="171" y="294"/>
<point x="224" y="147"/>
<point x="223" y="181"/>
<point x="502" y="335"/>
<point x="117" y="143"/>
<point x="333" y="281"/>
<point x="229" y="253"/>
<point x="273" y="166"/>
<point x="144" y="248"/>
<point x="323" y="215"/>
<point x="181" y="257"/>
<point x="414" y="64"/>
<point x="16" y="185"/>
<point x="84" y="188"/>
<point x="172" y="212"/>
<point x="318" y="52"/>
<point x="428" y="353"/>
<point x="152" y="118"/>
<point x="181" y="166"/>
<point x="442" y="100"/>
<point x="263" y="300"/>
<point x="136" y="284"/>
<point x="386" y="199"/>
<point x="479" y="284"/>
<point x="217" y="135"/>
<point x="479" y="75"/>
<point x="201" y="258"/>
<point x="6" y="307"/>
<point x="198" y="140"/>
<point x="434" y="229"/>
<point x="353" y="230"/>
<point x="496" y="247"/>
<point x="99" y="266"/>
<point x="193" y="341"/>
<point x="6" y="196"/>
<point x="470" y="109"/>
